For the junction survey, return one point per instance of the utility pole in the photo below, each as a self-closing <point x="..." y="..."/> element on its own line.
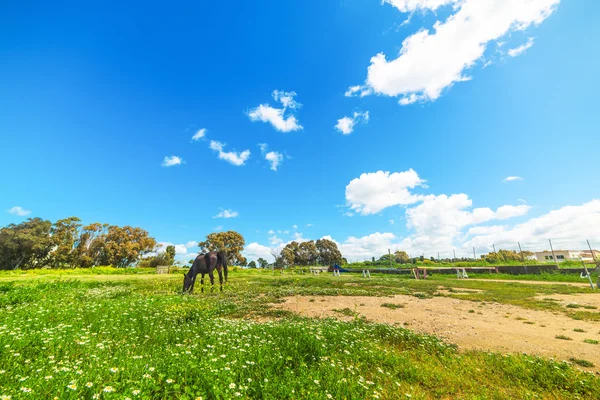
<point x="521" y="250"/>
<point x="553" y="256"/>
<point x="390" y="256"/>
<point x="474" y="256"/>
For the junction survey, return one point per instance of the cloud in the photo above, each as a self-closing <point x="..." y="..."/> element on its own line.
<point x="181" y="250"/>
<point x="432" y="61"/>
<point x="441" y="218"/>
<point x="277" y="116"/>
<point x="226" y="214"/>
<point x="232" y="157"/>
<point x="274" y="158"/>
<point x="295" y="226"/>
<point x="309" y="225"/>
<point x="568" y="227"/>
<point x="254" y="251"/>
<point x="171" y="161"/>
<point x="521" y="49"/>
<point x="512" y="178"/>
<point x="271" y="232"/>
<point x="199" y="134"/>
<point x="373" y="192"/>
<point x="20" y="211"/>
<point x="274" y="240"/>
<point x="346" y="124"/>
<point x="438" y="226"/>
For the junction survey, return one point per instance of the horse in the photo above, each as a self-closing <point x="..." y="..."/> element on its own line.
<point x="206" y="264"/>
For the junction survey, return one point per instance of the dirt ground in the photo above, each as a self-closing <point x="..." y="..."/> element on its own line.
<point x="473" y="326"/>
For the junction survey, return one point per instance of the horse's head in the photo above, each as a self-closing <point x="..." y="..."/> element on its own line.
<point x="187" y="282"/>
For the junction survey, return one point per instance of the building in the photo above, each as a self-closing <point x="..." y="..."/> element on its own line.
<point x="564" y="255"/>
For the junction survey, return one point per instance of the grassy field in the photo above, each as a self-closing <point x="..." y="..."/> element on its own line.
<point x="72" y="336"/>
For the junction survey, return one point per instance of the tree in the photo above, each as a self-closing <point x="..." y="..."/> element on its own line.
<point x="170" y="255"/>
<point x="262" y="262"/>
<point x="290" y="253"/>
<point x="230" y="242"/>
<point x="243" y="262"/>
<point x="64" y="238"/>
<point x="90" y="246"/>
<point x="26" y="245"/>
<point x="252" y="264"/>
<point x="121" y="246"/>
<point x="307" y="253"/>
<point x="401" y="257"/>
<point x="328" y="252"/>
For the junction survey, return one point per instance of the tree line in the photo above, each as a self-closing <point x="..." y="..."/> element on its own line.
<point x="66" y="243"/>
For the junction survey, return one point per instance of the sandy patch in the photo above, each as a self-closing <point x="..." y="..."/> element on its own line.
<point x="471" y="325"/>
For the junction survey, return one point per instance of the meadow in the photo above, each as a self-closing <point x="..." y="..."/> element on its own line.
<point x="73" y="335"/>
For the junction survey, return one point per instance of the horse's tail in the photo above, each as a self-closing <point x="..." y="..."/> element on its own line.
<point x="223" y="261"/>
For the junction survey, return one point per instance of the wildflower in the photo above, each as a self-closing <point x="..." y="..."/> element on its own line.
<point x="147" y="376"/>
<point x="114" y="370"/>
<point x="72" y="386"/>
<point x="316" y="381"/>
<point x="17" y="354"/>
<point x="266" y="380"/>
<point x="96" y="396"/>
<point x="238" y="394"/>
<point x="26" y="390"/>
<point x="329" y="396"/>
<point x="151" y="369"/>
<point x="232" y="386"/>
<point x="136" y="392"/>
<point x="89" y="384"/>
<point x="199" y="398"/>
<point x="2" y="371"/>
<point x="5" y="397"/>
<point x="249" y="379"/>
<point x="169" y="381"/>
<point x="109" y="389"/>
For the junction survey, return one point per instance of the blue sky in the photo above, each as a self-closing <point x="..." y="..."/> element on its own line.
<point x="370" y="123"/>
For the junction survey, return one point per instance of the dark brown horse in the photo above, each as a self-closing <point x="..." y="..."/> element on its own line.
<point x="206" y="264"/>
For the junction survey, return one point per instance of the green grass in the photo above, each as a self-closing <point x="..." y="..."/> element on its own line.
<point x="124" y="334"/>
<point x="590" y="341"/>
<point x="562" y="337"/>
<point x="392" y="306"/>
<point x="583" y="363"/>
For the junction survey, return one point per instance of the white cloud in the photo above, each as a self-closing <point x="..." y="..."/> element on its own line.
<point x="232" y="157"/>
<point x="485" y="230"/>
<point x="373" y="245"/>
<point x="273" y="157"/>
<point x="295" y="226"/>
<point x="506" y="212"/>
<point x="521" y="49"/>
<point x="440" y="219"/>
<point x="372" y="192"/>
<point x="171" y="161"/>
<point x="309" y="225"/>
<point x="277" y="116"/>
<point x="346" y="124"/>
<point x="431" y="61"/>
<point x="567" y="227"/>
<point x="218" y="228"/>
<point x="226" y="214"/>
<point x="512" y="178"/>
<point x="414" y="5"/>
<point x="254" y="251"/>
<point x="271" y="232"/>
<point x="191" y="244"/>
<point x="274" y="240"/>
<point x="20" y="211"/>
<point x="392" y="221"/>
<point x="199" y="134"/>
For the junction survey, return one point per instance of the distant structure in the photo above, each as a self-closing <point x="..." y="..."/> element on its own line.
<point x="564" y="255"/>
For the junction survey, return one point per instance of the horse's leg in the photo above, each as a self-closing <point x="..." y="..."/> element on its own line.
<point x="211" y="275"/>
<point x="219" y="270"/>
<point x="202" y="282"/>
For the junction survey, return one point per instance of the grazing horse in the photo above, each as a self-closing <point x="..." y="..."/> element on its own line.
<point x="206" y="264"/>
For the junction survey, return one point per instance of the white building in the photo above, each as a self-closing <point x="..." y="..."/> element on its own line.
<point x="563" y="255"/>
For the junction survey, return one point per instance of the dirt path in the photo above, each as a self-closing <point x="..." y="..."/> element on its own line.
<point x="578" y="284"/>
<point x="492" y="326"/>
